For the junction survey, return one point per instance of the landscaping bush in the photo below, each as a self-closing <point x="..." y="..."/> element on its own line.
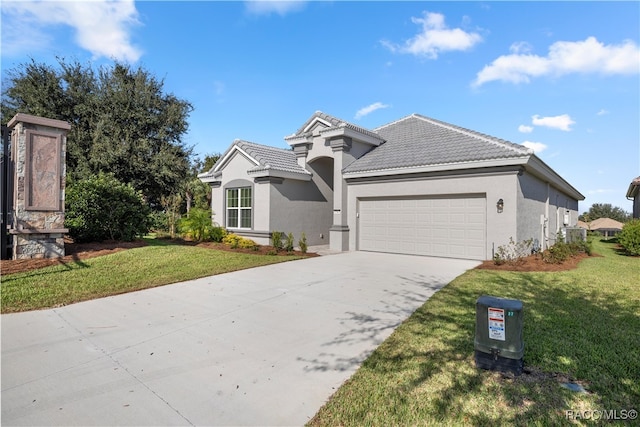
<point x="302" y="243"/>
<point x="513" y="253"/>
<point x="159" y="221"/>
<point x="102" y="208"/>
<point x="197" y="224"/>
<point x="276" y="240"/>
<point x="629" y="237"/>
<point x="288" y="246"/>
<point x="217" y="234"/>
<point x="561" y="251"/>
<point x="234" y="242"/>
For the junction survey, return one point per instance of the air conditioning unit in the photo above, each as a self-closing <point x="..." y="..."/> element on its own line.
<point x="573" y="234"/>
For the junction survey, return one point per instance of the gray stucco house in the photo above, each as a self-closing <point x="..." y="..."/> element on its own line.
<point x="633" y="194"/>
<point x="413" y="186"/>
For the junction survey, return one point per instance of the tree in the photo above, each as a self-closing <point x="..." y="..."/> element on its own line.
<point x="605" y="210"/>
<point x="101" y="208"/>
<point x="122" y="121"/>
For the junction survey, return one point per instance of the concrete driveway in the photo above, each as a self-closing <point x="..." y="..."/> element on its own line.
<point x="264" y="346"/>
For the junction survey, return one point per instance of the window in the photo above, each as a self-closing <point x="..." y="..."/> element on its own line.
<point x="239" y="207"/>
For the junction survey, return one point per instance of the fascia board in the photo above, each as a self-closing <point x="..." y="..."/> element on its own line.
<point x="313" y="122"/>
<point x="229" y="155"/>
<point x="280" y="174"/>
<point x="539" y="168"/>
<point x="353" y="134"/>
<point x="439" y="168"/>
<point x="295" y="140"/>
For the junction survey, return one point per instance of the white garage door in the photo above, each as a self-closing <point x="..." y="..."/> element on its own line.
<point x="453" y="227"/>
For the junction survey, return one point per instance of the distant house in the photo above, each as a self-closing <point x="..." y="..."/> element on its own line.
<point x="606" y="226"/>
<point x="633" y="193"/>
<point x="414" y="186"/>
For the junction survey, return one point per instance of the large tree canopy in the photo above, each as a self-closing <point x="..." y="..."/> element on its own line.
<point x="122" y="121"/>
<point x="605" y="210"/>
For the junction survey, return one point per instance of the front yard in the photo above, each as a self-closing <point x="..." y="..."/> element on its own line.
<point x="158" y="263"/>
<point x="581" y="325"/>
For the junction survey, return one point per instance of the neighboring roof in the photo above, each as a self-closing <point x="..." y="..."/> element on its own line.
<point x="266" y="159"/>
<point x="583" y="224"/>
<point x="416" y="140"/>
<point x="634" y="188"/>
<point x="605" y="224"/>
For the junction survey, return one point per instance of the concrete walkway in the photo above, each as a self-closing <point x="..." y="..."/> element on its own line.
<point x="264" y="346"/>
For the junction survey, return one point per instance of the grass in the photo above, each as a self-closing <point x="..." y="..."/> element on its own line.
<point x="581" y="325"/>
<point x="157" y="264"/>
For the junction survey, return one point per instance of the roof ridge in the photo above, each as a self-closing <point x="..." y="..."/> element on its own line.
<point x="478" y="135"/>
<point x="394" y="122"/>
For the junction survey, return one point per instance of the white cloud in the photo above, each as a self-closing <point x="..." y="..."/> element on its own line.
<point x="537" y="147"/>
<point x="434" y="38"/>
<point x="266" y="7"/>
<point x="602" y="112"/>
<point x="370" y="109"/>
<point x="587" y="56"/>
<point x="102" y="26"/>
<point x="562" y="122"/>
<point x="520" y="47"/>
<point x="525" y="129"/>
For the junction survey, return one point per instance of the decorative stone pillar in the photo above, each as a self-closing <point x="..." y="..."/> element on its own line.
<point x="339" y="231"/>
<point x="38" y="149"/>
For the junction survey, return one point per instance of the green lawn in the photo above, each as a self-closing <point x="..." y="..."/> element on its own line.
<point x="158" y="264"/>
<point x="582" y="325"/>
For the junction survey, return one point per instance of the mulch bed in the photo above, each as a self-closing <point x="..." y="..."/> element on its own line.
<point x="81" y="251"/>
<point x="535" y="263"/>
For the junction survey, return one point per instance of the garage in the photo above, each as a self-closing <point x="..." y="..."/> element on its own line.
<point x="443" y="226"/>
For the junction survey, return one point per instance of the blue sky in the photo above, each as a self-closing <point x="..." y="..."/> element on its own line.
<point x="560" y="77"/>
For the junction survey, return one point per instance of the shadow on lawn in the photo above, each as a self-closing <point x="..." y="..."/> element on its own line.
<point x="582" y="337"/>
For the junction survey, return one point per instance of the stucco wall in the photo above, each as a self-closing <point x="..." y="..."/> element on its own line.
<point x="236" y="170"/>
<point x="533" y="194"/>
<point x="496" y="185"/>
<point x="302" y="206"/>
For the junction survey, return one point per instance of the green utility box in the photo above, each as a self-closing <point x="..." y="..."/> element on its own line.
<point x="498" y="343"/>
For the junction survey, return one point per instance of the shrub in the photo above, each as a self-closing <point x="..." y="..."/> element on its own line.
<point x="276" y="240"/>
<point x="197" y="224"/>
<point x="217" y="234"/>
<point x="557" y="254"/>
<point x="159" y="221"/>
<point x="629" y="237"/>
<point x="302" y="243"/>
<point x="288" y="246"/>
<point x="234" y="242"/>
<point x="101" y="208"/>
<point x="513" y="253"/>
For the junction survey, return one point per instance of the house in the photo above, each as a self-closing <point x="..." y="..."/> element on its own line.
<point x="633" y="194"/>
<point x="413" y="186"/>
<point x="606" y="226"/>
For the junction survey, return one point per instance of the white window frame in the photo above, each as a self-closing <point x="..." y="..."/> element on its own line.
<point x="241" y="207"/>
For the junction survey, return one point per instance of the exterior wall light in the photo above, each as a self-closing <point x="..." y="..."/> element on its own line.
<point x="500" y="205"/>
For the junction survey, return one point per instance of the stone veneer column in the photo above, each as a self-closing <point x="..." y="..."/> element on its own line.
<point x="38" y="149"/>
<point x="339" y="231"/>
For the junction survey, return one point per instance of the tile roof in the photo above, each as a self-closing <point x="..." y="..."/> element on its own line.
<point x="416" y="140"/>
<point x="271" y="157"/>
<point x="334" y="122"/>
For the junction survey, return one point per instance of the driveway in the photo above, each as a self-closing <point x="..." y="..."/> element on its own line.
<point x="264" y="346"/>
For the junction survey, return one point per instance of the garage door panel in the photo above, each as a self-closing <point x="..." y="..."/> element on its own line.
<point x="448" y="227"/>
